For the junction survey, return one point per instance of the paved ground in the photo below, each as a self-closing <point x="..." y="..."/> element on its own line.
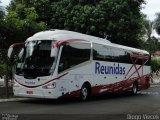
<point x="118" y="107"/>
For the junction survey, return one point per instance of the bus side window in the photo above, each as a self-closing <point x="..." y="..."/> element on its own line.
<point x="74" y="54"/>
<point x="102" y="53"/>
<point x="121" y="55"/>
<point x="110" y="54"/>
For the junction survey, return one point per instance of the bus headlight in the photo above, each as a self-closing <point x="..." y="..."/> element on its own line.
<point x="15" y="84"/>
<point x="50" y="86"/>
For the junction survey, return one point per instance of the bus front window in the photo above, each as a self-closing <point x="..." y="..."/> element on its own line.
<point x="35" y="59"/>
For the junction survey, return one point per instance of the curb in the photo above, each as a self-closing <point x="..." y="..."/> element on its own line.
<point x="155" y="85"/>
<point x="13" y="99"/>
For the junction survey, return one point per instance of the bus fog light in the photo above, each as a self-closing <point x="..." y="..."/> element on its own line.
<point x="50" y="86"/>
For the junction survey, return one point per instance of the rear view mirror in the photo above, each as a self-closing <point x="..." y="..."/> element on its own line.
<point x="11" y="48"/>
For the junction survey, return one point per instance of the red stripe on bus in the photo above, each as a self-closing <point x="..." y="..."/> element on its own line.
<point x="121" y="86"/>
<point x="13" y="45"/>
<point x="43" y="83"/>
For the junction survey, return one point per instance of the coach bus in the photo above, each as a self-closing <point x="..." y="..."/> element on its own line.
<point x="59" y="63"/>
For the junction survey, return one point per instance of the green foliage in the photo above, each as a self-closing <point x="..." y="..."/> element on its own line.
<point x="151" y="45"/>
<point x="148" y="28"/>
<point x="20" y="23"/>
<point x="155" y="64"/>
<point x="118" y="20"/>
<point x="16" y="26"/>
<point x="157" y="23"/>
<point x="2" y="36"/>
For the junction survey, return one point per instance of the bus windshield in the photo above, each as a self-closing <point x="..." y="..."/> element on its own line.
<point x="35" y="59"/>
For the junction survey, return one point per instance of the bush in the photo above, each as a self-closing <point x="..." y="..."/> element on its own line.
<point x="155" y="64"/>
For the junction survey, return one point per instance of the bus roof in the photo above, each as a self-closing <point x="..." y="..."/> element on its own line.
<point x="69" y="35"/>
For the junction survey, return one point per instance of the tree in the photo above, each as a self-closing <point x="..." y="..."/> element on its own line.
<point x="2" y="27"/>
<point x="157" y="23"/>
<point x="151" y="44"/>
<point x="17" y="26"/>
<point x="148" y="29"/>
<point x="2" y="38"/>
<point x="2" y="15"/>
<point x="120" y="21"/>
<point x="21" y="23"/>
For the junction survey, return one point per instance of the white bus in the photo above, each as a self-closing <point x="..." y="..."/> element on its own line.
<point x="59" y="63"/>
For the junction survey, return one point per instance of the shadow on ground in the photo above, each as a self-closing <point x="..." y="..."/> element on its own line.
<point x="77" y="100"/>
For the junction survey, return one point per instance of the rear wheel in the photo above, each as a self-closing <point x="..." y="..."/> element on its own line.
<point x="84" y="93"/>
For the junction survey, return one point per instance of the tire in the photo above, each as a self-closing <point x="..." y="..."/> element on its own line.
<point x="84" y="93"/>
<point x="134" y="89"/>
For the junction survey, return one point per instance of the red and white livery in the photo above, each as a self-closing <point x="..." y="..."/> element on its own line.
<point x="59" y="63"/>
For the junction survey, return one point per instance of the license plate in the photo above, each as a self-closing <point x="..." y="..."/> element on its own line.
<point x="29" y="92"/>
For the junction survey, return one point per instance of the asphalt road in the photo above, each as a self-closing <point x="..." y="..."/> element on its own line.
<point x="144" y="106"/>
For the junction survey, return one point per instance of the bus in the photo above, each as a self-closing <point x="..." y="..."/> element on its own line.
<point x="59" y="63"/>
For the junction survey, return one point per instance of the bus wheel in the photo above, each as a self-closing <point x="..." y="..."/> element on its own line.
<point x="84" y="93"/>
<point x="134" y="89"/>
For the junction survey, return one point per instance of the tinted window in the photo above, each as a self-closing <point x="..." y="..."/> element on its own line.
<point x="73" y="54"/>
<point x="121" y="55"/>
<point x="35" y="59"/>
<point x="102" y="53"/>
<point x="107" y="53"/>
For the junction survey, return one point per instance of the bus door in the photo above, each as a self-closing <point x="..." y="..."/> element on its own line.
<point x="73" y="58"/>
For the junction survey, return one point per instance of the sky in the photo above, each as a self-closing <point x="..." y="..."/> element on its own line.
<point x="5" y="2"/>
<point x="151" y="8"/>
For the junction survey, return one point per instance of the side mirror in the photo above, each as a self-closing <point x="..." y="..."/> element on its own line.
<point x="10" y="50"/>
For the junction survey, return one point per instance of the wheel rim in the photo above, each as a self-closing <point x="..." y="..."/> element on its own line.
<point x="84" y="93"/>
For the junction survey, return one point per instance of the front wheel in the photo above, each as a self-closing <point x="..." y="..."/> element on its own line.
<point x="84" y="93"/>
